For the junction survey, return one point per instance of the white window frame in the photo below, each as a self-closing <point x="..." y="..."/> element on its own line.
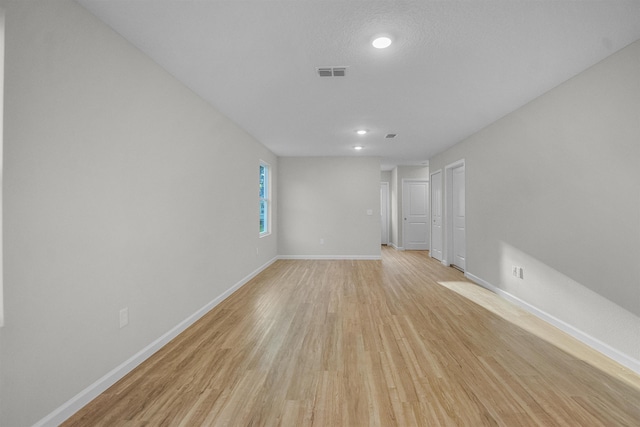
<point x="266" y="200"/>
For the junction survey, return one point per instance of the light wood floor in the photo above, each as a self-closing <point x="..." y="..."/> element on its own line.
<point x="367" y="343"/>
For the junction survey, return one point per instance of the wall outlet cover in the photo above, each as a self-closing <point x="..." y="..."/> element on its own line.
<point x="124" y="317"/>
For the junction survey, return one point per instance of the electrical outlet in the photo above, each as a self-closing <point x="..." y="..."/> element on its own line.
<point x="257" y="251"/>
<point x="517" y="271"/>
<point x="124" y="317"/>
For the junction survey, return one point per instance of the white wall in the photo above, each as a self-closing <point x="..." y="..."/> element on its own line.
<point x="1" y="155"/>
<point x="554" y="187"/>
<point x="328" y="198"/>
<point x="121" y="189"/>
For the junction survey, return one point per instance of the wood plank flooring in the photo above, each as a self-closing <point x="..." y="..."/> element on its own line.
<point x="365" y="343"/>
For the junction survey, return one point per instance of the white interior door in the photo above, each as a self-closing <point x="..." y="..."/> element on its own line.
<point x="384" y="213"/>
<point x="415" y="213"/>
<point x="458" y="212"/>
<point x="436" y="215"/>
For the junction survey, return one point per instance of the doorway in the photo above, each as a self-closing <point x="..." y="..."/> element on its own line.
<point x="415" y="214"/>
<point x="455" y="215"/>
<point x="436" y="215"/>
<point x="384" y="213"/>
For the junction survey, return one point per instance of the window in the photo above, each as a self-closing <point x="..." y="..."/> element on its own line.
<point x="265" y="214"/>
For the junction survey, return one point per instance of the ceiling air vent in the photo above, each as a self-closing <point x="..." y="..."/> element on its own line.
<point x="390" y="135"/>
<point x="332" y="71"/>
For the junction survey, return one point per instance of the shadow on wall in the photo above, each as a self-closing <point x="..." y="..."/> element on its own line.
<point x="566" y="304"/>
<point x="562" y="299"/>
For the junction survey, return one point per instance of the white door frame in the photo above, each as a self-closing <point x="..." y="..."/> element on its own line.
<point x="384" y="186"/>
<point x="431" y="204"/>
<point x="404" y="214"/>
<point x="447" y="249"/>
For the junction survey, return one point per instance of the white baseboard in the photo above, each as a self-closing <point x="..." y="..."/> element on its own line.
<point x="76" y="403"/>
<point x="330" y="257"/>
<point x="585" y="338"/>
<point x="394" y="246"/>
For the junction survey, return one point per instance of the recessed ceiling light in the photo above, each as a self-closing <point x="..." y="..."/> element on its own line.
<point x="361" y="131"/>
<point x="358" y="147"/>
<point x="381" y="42"/>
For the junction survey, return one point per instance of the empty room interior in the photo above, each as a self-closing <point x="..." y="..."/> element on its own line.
<point x="356" y="213"/>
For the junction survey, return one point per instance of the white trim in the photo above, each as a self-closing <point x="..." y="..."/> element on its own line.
<point x="267" y="199"/>
<point x="387" y="210"/>
<point x="585" y="338"/>
<point x="76" y="403"/>
<point x="396" y="247"/>
<point x="447" y="234"/>
<point x="330" y="257"/>
<point x="439" y="171"/>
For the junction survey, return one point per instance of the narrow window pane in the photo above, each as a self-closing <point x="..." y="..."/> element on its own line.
<point x="264" y="198"/>
<point x="262" y="181"/>
<point x="263" y="216"/>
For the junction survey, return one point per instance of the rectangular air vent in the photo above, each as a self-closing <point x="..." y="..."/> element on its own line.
<point x="332" y="71"/>
<point x="391" y="135"/>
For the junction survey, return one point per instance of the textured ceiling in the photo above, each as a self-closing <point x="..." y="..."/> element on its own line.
<point x="454" y="66"/>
